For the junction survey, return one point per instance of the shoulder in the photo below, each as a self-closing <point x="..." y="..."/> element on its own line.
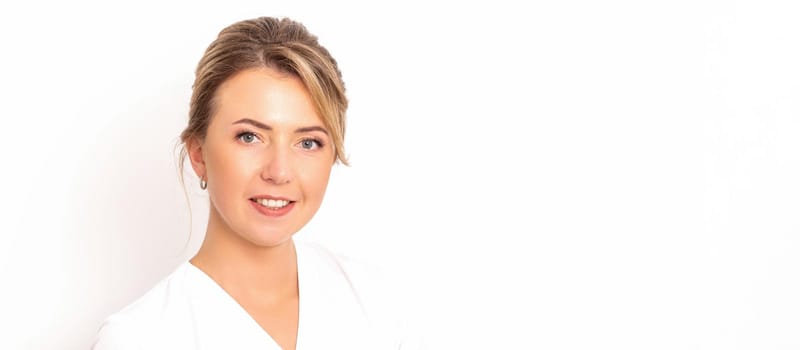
<point x="380" y="292"/>
<point x="369" y="283"/>
<point x="145" y="319"/>
<point x="334" y="262"/>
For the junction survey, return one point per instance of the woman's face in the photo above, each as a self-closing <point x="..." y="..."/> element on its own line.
<point x="267" y="156"/>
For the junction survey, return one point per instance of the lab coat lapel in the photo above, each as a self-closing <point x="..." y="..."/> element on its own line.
<point x="306" y="286"/>
<point x="326" y="309"/>
<point x="316" y="330"/>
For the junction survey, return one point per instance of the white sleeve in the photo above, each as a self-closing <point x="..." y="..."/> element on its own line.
<point x="415" y="345"/>
<point x="411" y="334"/>
<point x="113" y="336"/>
<point x="405" y="296"/>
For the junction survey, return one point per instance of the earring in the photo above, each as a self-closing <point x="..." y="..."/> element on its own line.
<point x="203" y="184"/>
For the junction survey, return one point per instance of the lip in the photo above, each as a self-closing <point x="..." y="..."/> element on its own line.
<point x="272" y="212"/>
<point x="266" y="196"/>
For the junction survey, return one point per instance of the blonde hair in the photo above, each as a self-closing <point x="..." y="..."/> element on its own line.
<point x="266" y="42"/>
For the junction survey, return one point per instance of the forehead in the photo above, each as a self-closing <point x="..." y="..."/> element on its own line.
<point x="264" y="94"/>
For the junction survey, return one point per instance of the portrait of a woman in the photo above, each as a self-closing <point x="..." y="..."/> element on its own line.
<point x="266" y="125"/>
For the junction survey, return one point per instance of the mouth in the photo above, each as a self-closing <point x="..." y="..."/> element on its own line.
<point x="272" y="204"/>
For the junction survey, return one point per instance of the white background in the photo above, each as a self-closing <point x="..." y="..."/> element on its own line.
<point x="565" y="175"/>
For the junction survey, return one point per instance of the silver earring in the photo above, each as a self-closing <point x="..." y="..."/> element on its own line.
<point x="203" y="184"/>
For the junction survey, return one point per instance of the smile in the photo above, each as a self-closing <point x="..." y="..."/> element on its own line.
<point x="273" y="204"/>
<point x="272" y="207"/>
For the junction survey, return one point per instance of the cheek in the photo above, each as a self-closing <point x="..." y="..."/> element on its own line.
<point x="315" y="177"/>
<point x="231" y="168"/>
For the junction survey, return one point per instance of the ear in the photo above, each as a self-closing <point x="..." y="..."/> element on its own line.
<point x="194" y="148"/>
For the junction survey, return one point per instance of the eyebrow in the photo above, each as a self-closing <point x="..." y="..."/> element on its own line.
<point x="263" y="126"/>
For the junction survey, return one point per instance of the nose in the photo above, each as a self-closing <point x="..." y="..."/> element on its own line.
<point x="277" y="168"/>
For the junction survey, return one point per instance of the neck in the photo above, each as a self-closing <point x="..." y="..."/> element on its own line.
<point x="244" y="268"/>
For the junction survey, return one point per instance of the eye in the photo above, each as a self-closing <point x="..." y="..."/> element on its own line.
<point x="247" y="137"/>
<point x="310" y="144"/>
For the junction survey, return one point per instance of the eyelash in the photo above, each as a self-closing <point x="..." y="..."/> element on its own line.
<point x="239" y="136"/>
<point x="243" y="133"/>
<point x="320" y="144"/>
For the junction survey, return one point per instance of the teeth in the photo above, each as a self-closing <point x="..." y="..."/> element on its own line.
<point x="272" y="203"/>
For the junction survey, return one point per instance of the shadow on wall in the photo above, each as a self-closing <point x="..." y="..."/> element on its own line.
<point x="130" y="224"/>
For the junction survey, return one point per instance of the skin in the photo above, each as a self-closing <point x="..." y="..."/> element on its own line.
<point x="251" y="255"/>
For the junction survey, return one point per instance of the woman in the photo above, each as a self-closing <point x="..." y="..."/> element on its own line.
<point x="266" y="124"/>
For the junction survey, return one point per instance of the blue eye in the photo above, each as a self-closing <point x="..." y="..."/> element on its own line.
<point x="310" y="144"/>
<point x="247" y="137"/>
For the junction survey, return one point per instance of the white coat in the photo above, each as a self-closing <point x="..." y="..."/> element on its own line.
<point x="342" y="305"/>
